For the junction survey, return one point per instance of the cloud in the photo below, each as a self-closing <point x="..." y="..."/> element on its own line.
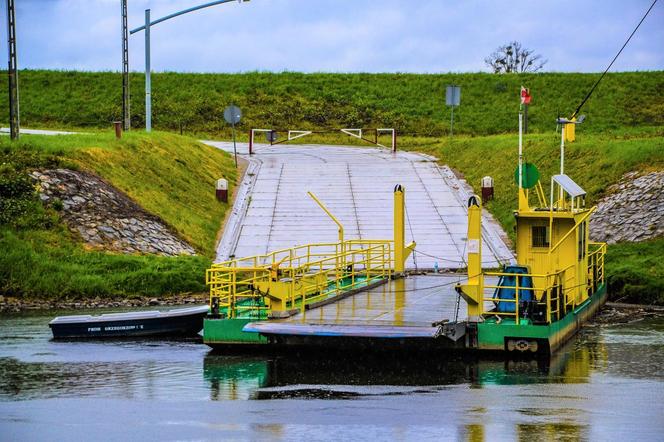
<point x="338" y="35"/>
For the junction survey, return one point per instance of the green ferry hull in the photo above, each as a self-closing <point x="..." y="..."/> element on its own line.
<point x="228" y="334"/>
<point x="496" y="336"/>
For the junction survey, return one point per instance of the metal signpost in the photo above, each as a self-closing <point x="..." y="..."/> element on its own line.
<point x="271" y="136"/>
<point x="232" y="115"/>
<point x="146" y="27"/>
<point x="452" y="99"/>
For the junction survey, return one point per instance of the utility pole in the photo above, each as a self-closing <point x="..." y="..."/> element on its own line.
<point x="12" y="71"/>
<point x="126" y="118"/>
<point x="148" y="80"/>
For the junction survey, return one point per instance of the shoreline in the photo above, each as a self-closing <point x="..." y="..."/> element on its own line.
<point x="612" y="312"/>
<point x="9" y="304"/>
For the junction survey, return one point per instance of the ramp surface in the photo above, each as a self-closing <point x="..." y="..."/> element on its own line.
<point x="272" y="210"/>
<point x="402" y="308"/>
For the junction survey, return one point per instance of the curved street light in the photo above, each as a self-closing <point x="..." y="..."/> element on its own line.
<point x="146" y="27"/>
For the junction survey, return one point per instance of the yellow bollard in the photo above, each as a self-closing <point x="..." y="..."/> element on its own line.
<point x="473" y="291"/>
<point x="401" y="251"/>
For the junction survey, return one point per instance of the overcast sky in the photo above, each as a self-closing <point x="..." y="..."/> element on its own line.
<point x="338" y="35"/>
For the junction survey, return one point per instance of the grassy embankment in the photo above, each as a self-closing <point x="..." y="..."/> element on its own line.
<point x="170" y="176"/>
<point x="625" y="113"/>
<point x="635" y="270"/>
<point x="412" y="103"/>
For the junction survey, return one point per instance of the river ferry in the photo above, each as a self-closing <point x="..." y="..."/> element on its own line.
<point x="533" y="305"/>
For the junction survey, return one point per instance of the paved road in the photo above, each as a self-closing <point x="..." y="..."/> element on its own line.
<point x="273" y="211"/>
<point x="6" y="131"/>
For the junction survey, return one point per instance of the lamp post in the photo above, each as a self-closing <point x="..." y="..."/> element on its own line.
<point x="146" y="27"/>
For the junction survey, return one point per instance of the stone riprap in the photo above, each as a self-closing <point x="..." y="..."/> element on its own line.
<point x="633" y="211"/>
<point x="104" y="217"/>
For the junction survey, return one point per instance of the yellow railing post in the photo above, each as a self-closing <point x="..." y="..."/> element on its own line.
<point x="231" y="297"/>
<point x="548" y="300"/>
<point x="516" y="301"/>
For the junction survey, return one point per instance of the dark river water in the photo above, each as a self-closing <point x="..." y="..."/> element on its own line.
<point x="607" y="384"/>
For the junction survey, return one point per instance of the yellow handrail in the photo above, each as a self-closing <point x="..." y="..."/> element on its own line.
<point x="332" y="217"/>
<point x="545" y="285"/>
<point x="297" y="276"/>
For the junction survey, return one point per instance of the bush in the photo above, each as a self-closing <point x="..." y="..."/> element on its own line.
<point x="20" y="206"/>
<point x="635" y="273"/>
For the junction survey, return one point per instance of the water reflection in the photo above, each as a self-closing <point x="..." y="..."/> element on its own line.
<point x="33" y="366"/>
<point x="235" y="377"/>
<point x="594" y="388"/>
<point x="337" y="376"/>
<point x="552" y="432"/>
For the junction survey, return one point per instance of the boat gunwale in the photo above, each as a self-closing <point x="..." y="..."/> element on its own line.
<point x="129" y="316"/>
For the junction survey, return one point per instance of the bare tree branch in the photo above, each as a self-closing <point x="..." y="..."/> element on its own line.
<point x="513" y="57"/>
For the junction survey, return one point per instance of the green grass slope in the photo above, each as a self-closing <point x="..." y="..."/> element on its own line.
<point x="169" y="175"/>
<point x="413" y="103"/>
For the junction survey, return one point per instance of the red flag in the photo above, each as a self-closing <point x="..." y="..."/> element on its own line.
<point x="525" y="95"/>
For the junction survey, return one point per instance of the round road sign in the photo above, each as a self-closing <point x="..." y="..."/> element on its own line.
<point x="232" y="114"/>
<point x="271" y="136"/>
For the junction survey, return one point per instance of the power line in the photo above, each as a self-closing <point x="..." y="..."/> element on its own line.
<point x="578" y="109"/>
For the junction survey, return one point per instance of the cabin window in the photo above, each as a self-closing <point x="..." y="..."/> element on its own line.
<point x="540" y="235"/>
<point x="582" y="240"/>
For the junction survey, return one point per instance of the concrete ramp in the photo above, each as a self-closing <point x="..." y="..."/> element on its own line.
<point x="272" y="210"/>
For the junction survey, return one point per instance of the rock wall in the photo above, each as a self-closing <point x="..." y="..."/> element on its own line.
<point x="104" y="217"/>
<point x="634" y="211"/>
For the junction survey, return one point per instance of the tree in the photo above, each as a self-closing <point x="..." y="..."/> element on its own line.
<point x="513" y="57"/>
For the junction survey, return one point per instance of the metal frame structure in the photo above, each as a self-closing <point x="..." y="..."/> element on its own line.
<point x="146" y="27"/>
<point x="14" y="121"/>
<point x="286" y="281"/>
<point x="356" y="133"/>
